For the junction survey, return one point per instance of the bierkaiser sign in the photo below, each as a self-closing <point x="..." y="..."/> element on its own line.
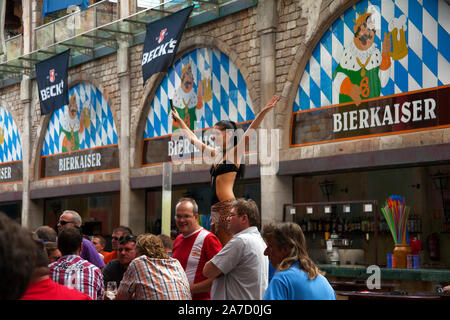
<point x="161" y="42"/>
<point x="11" y="171"/>
<point x="51" y="77"/>
<point x="82" y="161"/>
<point x="412" y="111"/>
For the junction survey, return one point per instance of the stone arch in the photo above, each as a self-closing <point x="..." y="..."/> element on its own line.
<point x="302" y="56"/>
<point x="36" y="147"/>
<point x="74" y="80"/>
<point x="413" y="64"/>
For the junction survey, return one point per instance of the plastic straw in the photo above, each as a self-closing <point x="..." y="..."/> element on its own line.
<point x="396" y="213"/>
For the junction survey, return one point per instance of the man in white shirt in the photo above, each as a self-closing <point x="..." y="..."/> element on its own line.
<point x="240" y="270"/>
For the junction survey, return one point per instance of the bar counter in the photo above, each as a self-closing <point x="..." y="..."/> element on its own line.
<point x="357" y="271"/>
<point x="410" y="280"/>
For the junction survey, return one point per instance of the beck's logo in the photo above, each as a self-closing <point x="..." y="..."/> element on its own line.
<point x="52" y="75"/>
<point x="162" y="35"/>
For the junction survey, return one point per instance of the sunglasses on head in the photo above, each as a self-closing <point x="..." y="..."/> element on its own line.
<point x="63" y="223"/>
<point x="127" y="238"/>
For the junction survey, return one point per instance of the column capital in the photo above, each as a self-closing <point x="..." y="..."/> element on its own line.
<point x="268" y="13"/>
<point x="123" y="67"/>
<point x="25" y="89"/>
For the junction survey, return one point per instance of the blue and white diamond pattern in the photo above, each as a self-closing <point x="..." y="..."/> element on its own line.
<point x="230" y="96"/>
<point x="11" y="148"/>
<point x="425" y="66"/>
<point x="102" y="130"/>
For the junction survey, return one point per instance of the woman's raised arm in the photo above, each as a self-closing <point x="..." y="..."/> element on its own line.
<point x="191" y="135"/>
<point x="242" y="143"/>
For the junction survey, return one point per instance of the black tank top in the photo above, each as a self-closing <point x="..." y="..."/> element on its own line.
<point x="221" y="168"/>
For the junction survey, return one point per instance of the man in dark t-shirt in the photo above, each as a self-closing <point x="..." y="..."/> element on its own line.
<point x="115" y="269"/>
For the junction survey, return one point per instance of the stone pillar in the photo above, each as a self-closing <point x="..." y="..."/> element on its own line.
<point x="36" y="20"/>
<point x="266" y="27"/>
<point x="32" y="212"/>
<point x="275" y="190"/>
<point x="124" y="139"/>
<point x="28" y="220"/>
<point x="132" y="203"/>
<point x="27" y="25"/>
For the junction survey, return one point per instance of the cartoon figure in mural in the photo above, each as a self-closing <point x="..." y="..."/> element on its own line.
<point x="73" y="127"/>
<point x="227" y="165"/>
<point x="188" y="103"/>
<point x="2" y="137"/>
<point x="363" y="69"/>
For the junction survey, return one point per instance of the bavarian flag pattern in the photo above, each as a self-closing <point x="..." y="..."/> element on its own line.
<point x="86" y="122"/>
<point x="205" y="87"/>
<point x="420" y="52"/>
<point x="10" y="145"/>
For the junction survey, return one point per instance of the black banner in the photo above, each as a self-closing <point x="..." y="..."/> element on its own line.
<point x="51" y="75"/>
<point x="161" y="42"/>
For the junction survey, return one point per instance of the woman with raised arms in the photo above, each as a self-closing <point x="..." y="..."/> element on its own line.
<point x="227" y="165"/>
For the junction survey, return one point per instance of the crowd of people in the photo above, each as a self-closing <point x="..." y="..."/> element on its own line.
<point x="234" y="261"/>
<point x="66" y="265"/>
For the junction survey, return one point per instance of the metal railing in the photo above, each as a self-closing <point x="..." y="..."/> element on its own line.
<point x="78" y="22"/>
<point x="13" y="48"/>
<point x="96" y="31"/>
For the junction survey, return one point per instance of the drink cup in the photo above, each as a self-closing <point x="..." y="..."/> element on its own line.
<point x="410" y="261"/>
<point x="111" y="290"/>
<point x="416" y="261"/>
<point x="389" y="260"/>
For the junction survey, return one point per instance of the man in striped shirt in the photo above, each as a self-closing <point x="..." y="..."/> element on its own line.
<point x="73" y="271"/>
<point x="194" y="247"/>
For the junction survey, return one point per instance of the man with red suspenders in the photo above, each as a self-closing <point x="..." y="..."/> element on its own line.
<point x="194" y="247"/>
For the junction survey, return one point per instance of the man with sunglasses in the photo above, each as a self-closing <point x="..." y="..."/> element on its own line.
<point x="116" y="235"/>
<point x="115" y="269"/>
<point x="89" y="253"/>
